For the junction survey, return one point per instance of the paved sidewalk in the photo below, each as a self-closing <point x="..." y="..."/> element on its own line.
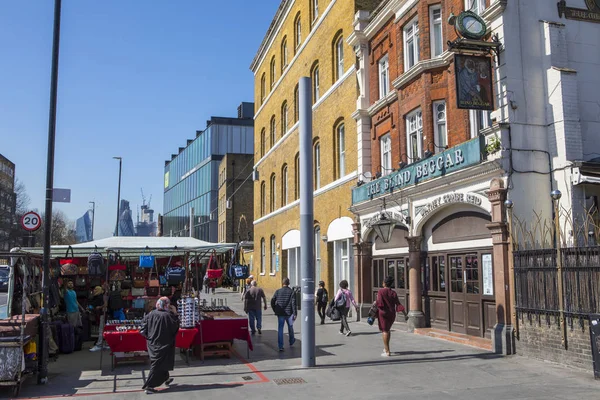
<point x="420" y="367"/>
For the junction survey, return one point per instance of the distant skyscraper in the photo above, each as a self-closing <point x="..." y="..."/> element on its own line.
<point x="125" y="220"/>
<point x="83" y="228"/>
<point x="146" y="225"/>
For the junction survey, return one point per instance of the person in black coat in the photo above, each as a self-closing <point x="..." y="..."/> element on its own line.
<point x="160" y="328"/>
<point x="322" y="300"/>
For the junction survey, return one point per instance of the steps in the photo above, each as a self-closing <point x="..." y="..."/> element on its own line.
<point x="480" y="343"/>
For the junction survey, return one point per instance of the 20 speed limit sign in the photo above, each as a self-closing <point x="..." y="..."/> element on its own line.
<point x="31" y="221"/>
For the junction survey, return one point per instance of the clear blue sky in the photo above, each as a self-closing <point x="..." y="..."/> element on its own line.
<point x="136" y="79"/>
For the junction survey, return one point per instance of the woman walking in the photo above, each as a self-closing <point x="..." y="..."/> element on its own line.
<point x="342" y="301"/>
<point x="387" y="300"/>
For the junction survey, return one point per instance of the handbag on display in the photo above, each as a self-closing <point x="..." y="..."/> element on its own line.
<point x="166" y="291"/>
<point x="80" y="281"/>
<point x="95" y="282"/>
<point x="117" y="267"/>
<point x="139" y="282"/>
<point x="68" y="265"/>
<point x="117" y="275"/>
<point x="153" y="282"/>
<point x="126" y="284"/>
<point x="240" y="271"/>
<point x="125" y="292"/>
<point x="82" y="270"/>
<point x="96" y="264"/>
<point x="152" y="291"/>
<point x="146" y="260"/>
<point x="139" y="303"/>
<point x="162" y="280"/>
<point x="137" y="291"/>
<point x="175" y="275"/>
<point x="214" y="270"/>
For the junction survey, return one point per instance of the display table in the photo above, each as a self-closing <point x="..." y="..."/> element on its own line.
<point x="224" y="330"/>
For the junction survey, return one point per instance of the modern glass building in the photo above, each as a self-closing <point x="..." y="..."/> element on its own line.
<point x="83" y="228"/>
<point x="191" y="176"/>
<point x="125" y="220"/>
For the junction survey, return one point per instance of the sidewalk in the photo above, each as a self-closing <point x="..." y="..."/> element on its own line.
<point x="420" y="366"/>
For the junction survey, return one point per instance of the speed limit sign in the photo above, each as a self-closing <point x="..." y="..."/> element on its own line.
<point x="31" y="221"/>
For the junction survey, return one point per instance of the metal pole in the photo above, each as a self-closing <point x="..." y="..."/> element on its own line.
<point x="307" y="230"/>
<point x="118" y="195"/>
<point x="43" y="360"/>
<point x="559" y="278"/>
<point x="93" y="217"/>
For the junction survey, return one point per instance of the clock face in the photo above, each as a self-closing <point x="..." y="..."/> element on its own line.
<point x="470" y="25"/>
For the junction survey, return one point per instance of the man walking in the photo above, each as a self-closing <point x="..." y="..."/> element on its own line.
<point x="160" y="329"/>
<point x="322" y="299"/>
<point x="283" y="304"/>
<point x="252" y="300"/>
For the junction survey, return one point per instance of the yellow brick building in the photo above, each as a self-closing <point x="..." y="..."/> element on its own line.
<point x="306" y="38"/>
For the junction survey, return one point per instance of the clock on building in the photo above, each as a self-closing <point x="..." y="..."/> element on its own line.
<point x="470" y="25"/>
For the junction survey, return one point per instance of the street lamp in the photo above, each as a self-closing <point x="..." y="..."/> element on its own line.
<point x="93" y="203"/>
<point x="384" y="227"/>
<point x="118" y="194"/>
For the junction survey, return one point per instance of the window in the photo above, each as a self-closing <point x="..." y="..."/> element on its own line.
<point x="263" y="200"/>
<point x="341" y="150"/>
<point x="479" y="120"/>
<point x="385" y="143"/>
<point x="297" y="32"/>
<point x="297" y="176"/>
<point x="315" y="82"/>
<point x="411" y="44"/>
<point x="284" y="185"/>
<point x="273" y="255"/>
<point x="263" y="142"/>
<point x="384" y="78"/>
<point x="263" y="88"/>
<point x="296" y="104"/>
<point x="284" y="118"/>
<point x="273" y="193"/>
<point x="263" y="255"/>
<point x="439" y="125"/>
<point x="272" y="72"/>
<point x="414" y="135"/>
<point x="435" y="21"/>
<point x="317" y="253"/>
<point x="317" y="166"/>
<point x="477" y="6"/>
<point x="273" y="133"/>
<point x="284" y="54"/>
<point x="339" y="58"/>
<point x="315" y="10"/>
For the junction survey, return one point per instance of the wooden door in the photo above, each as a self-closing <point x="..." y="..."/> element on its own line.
<point x="457" y="294"/>
<point x="465" y="294"/>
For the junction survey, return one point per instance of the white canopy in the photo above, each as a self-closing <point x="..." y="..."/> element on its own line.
<point x="135" y="245"/>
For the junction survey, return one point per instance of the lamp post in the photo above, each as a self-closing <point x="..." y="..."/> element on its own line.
<point x="118" y="194"/>
<point x="556" y="195"/>
<point x="93" y="203"/>
<point x="508" y="204"/>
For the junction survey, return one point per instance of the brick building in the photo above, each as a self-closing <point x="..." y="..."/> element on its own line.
<point x="236" y="199"/>
<point x="306" y="38"/>
<point x="7" y="204"/>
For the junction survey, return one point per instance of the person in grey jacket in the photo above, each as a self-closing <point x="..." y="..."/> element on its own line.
<point x="284" y="306"/>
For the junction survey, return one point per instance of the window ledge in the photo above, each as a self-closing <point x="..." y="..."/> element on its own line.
<point x="422" y="66"/>
<point x="379" y="104"/>
<point x="262" y="274"/>
<point x="272" y="273"/>
<point x="494" y="11"/>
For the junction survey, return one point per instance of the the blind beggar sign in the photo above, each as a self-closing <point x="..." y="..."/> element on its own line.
<point x="461" y="156"/>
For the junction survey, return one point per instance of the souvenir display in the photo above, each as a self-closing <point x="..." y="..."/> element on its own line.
<point x="189" y="311"/>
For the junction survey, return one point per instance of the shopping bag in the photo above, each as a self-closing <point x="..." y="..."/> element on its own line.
<point x="240" y="271"/>
<point x="96" y="265"/>
<point x="116" y="275"/>
<point x="146" y="260"/>
<point x="175" y="275"/>
<point x="137" y="291"/>
<point x="68" y="265"/>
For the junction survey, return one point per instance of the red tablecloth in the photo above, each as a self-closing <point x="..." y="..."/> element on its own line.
<point x="224" y="330"/>
<point x="133" y="341"/>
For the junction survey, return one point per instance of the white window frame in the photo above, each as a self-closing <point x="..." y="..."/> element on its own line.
<point x="411" y="34"/>
<point x="477" y="6"/>
<point x="384" y="76"/>
<point x="263" y="256"/>
<point x="273" y="131"/>
<point x="343" y="261"/>
<point x="273" y="205"/>
<point x="341" y="139"/>
<point x="273" y="71"/>
<point x="284" y="119"/>
<point x="339" y="53"/>
<point x="414" y="125"/>
<point x="273" y="267"/>
<point x="263" y="198"/>
<point x="432" y="23"/>
<point x="317" y="166"/>
<point x="284" y="183"/>
<point x="440" y="126"/>
<point x="315" y="6"/>
<point x="298" y="32"/>
<point x="316" y="83"/>
<point x="293" y="262"/>
<point x="317" y="253"/>
<point x="478" y="121"/>
<point x="385" y="145"/>
<point x="263" y="87"/>
<point x="284" y="55"/>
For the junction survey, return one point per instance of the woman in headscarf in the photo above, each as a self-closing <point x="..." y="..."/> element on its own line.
<point x="387" y="300"/>
<point x="160" y="328"/>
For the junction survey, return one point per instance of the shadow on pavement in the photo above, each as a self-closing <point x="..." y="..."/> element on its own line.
<point x="193" y="388"/>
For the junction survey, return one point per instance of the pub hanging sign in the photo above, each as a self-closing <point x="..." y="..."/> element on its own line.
<point x="474" y="82"/>
<point x="592" y="14"/>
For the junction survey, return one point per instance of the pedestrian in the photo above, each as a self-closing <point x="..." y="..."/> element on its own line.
<point x="160" y="328"/>
<point x="343" y="300"/>
<point x="72" y="305"/>
<point x="252" y="300"/>
<point x="387" y="302"/>
<point x="283" y="304"/>
<point x="247" y="285"/>
<point x="322" y="300"/>
<point x="98" y="304"/>
<point x="205" y="283"/>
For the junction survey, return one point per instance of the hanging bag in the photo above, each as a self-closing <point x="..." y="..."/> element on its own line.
<point x="241" y="270"/>
<point x="68" y="265"/>
<point x="174" y="274"/>
<point x="214" y="270"/>
<point x="146" y="260"/>
<point x="96" y="265"/>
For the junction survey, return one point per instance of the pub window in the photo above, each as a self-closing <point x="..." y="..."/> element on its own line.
<point x="477" y="6"/>
<point x="414" y="135"/>
<point x="411" y="44"/>
<point x="478" y="121"/>
<point x="439" y="126"/>
<point x="384" y="76"/>
<point x="385" y="143"/>
<point x="435" y="20"/>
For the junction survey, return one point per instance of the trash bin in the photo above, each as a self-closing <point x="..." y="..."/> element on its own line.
<point x="595" y="339"/>
<point x="298" y="293"/>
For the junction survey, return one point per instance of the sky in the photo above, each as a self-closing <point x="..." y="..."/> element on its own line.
<point x="137" y="78"/>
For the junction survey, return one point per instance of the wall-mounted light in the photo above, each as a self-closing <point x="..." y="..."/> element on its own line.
<point x="324" y="238"/>
<point x="384" y="227"/>
<point x="402" y="164"/>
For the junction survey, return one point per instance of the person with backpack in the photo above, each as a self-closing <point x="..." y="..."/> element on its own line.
<point x="284" y="306"/>
<point x="343" y="300"/>
<point x="322" y="300"/>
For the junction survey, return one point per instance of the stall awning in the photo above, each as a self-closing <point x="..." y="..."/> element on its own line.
<point x="133" y="246"/>
<point x="586" y="172"/>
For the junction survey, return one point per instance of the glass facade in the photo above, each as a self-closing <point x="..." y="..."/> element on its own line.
<point x="191" y="177"/>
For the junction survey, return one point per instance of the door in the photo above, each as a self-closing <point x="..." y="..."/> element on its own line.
<point x="398" y="268"/>
<point x="465" y="294"/>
